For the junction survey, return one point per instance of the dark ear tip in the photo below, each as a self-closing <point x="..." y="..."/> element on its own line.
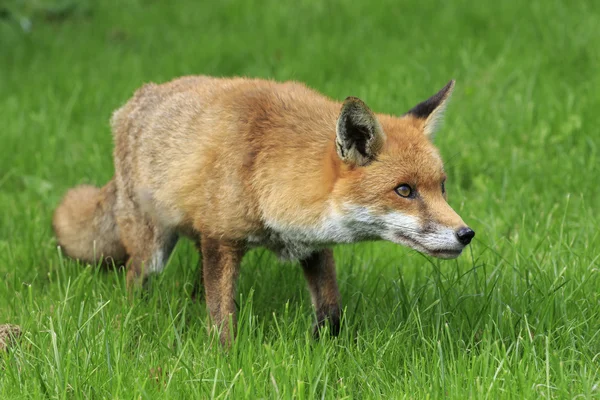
<point x="353" y="100"/>
<point x="424" y="109"/>
<point x="354" y="104"/>
<point x="447" y="90"/>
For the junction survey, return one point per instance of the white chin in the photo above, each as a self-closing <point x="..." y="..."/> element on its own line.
<point x="445" y="254"/>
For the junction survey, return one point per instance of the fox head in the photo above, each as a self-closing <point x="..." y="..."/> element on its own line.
<point x="392" y="183"/>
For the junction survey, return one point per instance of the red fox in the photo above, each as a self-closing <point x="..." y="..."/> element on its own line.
<point x="238" y="163"/>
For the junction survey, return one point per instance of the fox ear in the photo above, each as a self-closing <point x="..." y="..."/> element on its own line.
<point x="359" y="136"/>
<point x="432" y="110"/>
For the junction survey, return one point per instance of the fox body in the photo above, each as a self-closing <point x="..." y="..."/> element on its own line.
<point x="237" y="163"/>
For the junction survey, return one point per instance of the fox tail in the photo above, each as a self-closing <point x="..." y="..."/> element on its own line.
<point x="85" y="225"/>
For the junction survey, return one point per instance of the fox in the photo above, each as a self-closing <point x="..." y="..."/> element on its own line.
<point x="238" y="163"/>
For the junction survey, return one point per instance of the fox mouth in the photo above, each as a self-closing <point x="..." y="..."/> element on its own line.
<point x="445" y="253"/>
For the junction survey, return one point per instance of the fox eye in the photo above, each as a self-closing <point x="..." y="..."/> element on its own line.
<point x="443" y="187"/>
<point x="404" y="190"/>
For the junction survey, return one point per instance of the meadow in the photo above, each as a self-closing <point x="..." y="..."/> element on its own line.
<point x="516" y="316"/>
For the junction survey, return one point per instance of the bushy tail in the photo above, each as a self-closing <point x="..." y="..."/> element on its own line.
<point x="85" y="225"/>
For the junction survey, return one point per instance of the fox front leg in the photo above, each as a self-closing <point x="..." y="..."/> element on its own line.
<point x="319" y="271"/>
<point x="220" y="269"/>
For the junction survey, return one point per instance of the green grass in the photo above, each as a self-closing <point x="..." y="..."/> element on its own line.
<point x="517" y="316"/>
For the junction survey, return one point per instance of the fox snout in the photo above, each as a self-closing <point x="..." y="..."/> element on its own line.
<point x="443" y="242"/>
<point x="435" y="239"/>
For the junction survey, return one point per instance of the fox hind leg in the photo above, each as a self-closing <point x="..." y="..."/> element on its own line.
<point x="199" y="281"/>
<point x="149" y="247"/>
<point x="220" y="268"/>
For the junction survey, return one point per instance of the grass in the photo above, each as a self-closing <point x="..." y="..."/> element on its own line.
<point x="517" y="316"/>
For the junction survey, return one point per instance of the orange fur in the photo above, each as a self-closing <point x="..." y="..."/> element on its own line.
<point x="236" y="163"/>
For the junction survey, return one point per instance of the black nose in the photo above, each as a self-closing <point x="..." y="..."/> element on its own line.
<point x="465" y="234"/>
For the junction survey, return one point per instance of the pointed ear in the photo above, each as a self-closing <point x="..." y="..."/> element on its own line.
<point x="359" y="136"/>
<point x="432" y="110"/>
